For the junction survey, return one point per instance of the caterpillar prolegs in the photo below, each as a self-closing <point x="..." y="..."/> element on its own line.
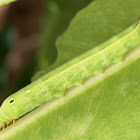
<point x="74" y="72"/>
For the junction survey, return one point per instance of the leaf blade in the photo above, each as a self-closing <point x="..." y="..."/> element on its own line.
<point x="94" y="110"/>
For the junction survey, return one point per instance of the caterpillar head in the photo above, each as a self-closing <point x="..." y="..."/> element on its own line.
<point x="7" y="110"/>
<point x="2" y="120"/>
<point x="15" y="106"/>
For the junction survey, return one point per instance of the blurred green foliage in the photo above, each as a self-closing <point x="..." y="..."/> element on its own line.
<point x="58" y="14"/>
<point x="4" y="2"/>
<point x="4" y="48"/>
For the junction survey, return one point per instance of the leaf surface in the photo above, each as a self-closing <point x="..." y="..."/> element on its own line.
<point x="58" y="15"/>
<point x="106" y="107"/>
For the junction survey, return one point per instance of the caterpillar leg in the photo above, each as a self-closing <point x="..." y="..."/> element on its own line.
<point x="3" y="128"/>
<point x="117" y="60"/>
<point x="59" y="93"/>
<point x="14" y="121"/>
<point x="7" y="125"/>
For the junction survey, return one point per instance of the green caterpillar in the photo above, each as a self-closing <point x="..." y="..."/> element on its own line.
<point x="74" y="72"/>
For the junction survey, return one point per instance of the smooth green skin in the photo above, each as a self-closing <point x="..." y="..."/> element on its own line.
<point x="55" y="83"/>
<point x="4" y="2"/>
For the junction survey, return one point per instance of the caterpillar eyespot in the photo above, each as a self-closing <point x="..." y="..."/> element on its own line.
<point x="11" y="101"/>
<point x="74" y="72"/>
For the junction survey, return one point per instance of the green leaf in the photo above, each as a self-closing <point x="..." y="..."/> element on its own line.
<point x="106" y="107"/>
<point x="4" y="2"/>
<point x="57" y="16"/>
<point x="92" y="26"/>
